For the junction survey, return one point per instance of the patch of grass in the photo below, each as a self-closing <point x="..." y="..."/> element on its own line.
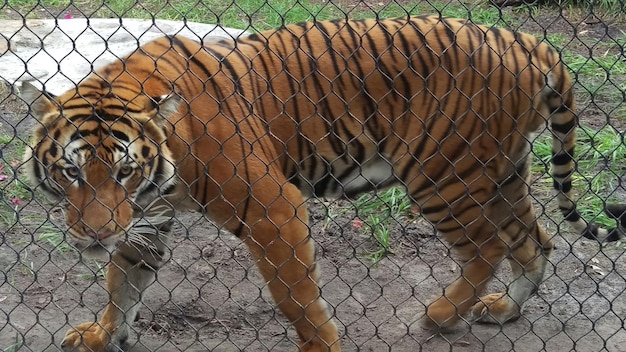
<point x="27" y="266"/>
<point x="379" y="228"/>
<point x="557" y="40"/>
<point x="243" y="14"/>
<point x="392" y="201"/>
<point x="98" y="273"/>
<point x="256" y="15"/>
<point x="378" y="213"/>
<point x="478" y="12"/>
<point x="35" y="8"/>
<point x="39" y="2"/>
<point x="602" y="153"/>
<point x="4" y="139"/>
<point x="13" y="192"/>
<point x="599" y="6"/>
<point x="596" y="65"/>
<point x="599" y="79"/>
<point x="54" y="237"/>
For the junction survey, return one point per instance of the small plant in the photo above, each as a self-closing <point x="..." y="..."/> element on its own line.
<point x="377" y="213"/>
<point x="94" y="274"/>
<point x="19" y="342"/>
<point x="27" y="266"/>
<point x="379" y="228"/>
<point x="11" y="193"/>
<point x="54" y="237"/>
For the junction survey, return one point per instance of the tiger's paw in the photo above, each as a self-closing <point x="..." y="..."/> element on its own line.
<point x="441" y="315"/>
<point x="319" y="347"/>
<point x="496" y="308"/>
<point x="89" y="337"/>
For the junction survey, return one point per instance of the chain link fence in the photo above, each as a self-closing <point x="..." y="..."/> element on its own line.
<point x="380" y="261"/>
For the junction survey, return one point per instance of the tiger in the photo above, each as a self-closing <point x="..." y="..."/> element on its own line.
<point x="246" y="130"/>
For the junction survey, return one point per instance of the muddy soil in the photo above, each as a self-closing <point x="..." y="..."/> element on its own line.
<point x="209" y="295"/>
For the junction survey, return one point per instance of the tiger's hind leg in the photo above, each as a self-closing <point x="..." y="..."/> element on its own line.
<point x="464" y="224"/>
<point x="131" y="270"/>
<point x="528" y="260"/>
<point x="479" y="261"/>
<point x="488" y="223"/>
<point x="528" y="247"/>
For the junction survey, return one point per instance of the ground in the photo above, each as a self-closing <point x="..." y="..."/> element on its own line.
<point x="209" y="295"/>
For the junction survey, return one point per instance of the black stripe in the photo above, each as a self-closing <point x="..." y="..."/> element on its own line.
<point x="564" y="158"/>
<point x="591" y="232"/>
<point x="121" y="136"/>
<point x="572" y="216"/>
<point x="560" y="109"/>
<point x="321" y="186"/>
<point x="564" y="128"/>
<point x="564" y="187"/>
<point x="566" y="174"/>
<point x="190" y="56"/>
<point x="520" y="173"/>
<point x="82" y="134"/>
<point x="435" y="209"/>
<point x="613" y="236"/>
<point x="239" y="231"/>
<point x="463" y="241"/>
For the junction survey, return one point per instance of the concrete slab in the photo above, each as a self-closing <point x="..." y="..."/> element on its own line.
<point x="61" y="52"/>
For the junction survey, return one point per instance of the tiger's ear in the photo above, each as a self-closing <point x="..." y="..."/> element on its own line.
<point x="168" y="105"/>
<point x="39" y="102"/>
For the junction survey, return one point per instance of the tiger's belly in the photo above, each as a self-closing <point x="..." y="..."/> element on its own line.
<point x="341" y="178"/>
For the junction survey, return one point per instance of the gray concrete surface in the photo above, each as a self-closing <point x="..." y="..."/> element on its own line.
<point x="61" y="52"/>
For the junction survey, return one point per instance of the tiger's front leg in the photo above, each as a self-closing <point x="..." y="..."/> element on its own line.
<point x="131" y="270"/>
<point x="277" y="234"/>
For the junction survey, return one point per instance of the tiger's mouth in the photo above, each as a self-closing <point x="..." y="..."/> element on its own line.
<point x="92" y="245"/>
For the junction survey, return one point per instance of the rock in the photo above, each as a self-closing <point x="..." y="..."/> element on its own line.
<point x="60" y="53"/>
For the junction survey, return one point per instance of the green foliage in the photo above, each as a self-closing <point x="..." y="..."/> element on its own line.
<point x="33" y="3"/>
<point x="96" y="273"/>
<point x="54" y="237"/>
<point x="598" y="6"/>
<point x="378" y="213"/>
<point x="257" y="15"/>
<point x="596" y="65"/>
<point x="602" y="154"/>
<point x="478" y="12"/>
<point x="13" y="192"/>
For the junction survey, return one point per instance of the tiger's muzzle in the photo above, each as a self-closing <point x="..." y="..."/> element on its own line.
<point x="98" y="219"/>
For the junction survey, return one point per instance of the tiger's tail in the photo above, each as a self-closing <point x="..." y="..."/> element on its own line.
<point x="617" y="212"/>
<point x="559" y="99"/>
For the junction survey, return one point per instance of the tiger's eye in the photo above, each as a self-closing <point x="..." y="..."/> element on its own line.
<point x="126" y="170"/>
<point x="72" y="172"/>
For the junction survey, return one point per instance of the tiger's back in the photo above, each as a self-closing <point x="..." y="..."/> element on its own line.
<point x="365" y="94"/>
<point x="245" y="131"/>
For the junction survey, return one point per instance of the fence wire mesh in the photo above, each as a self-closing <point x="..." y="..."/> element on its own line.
<point x="256" y="137"/>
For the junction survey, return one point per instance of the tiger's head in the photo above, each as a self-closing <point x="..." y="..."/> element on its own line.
<point x="101" y="155"/>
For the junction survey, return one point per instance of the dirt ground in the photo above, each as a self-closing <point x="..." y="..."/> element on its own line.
<point x="209" y="295"/>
